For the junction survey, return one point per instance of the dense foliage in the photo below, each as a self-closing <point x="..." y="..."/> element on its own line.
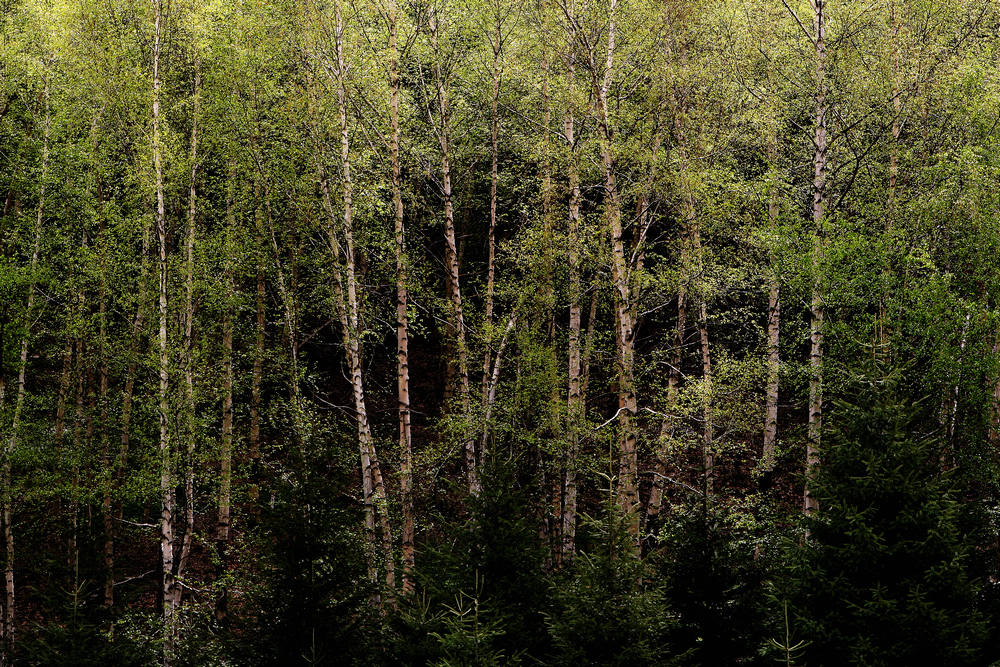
<point x="499" y="332"/>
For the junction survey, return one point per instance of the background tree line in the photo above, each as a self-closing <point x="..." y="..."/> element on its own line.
<point x="499" y="332"/>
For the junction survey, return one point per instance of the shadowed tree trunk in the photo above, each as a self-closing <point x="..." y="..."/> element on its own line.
<point x="169" y="585"/>
<point x="349" y="307"/>
<point x="575" y="410"/>
<point x="453" y="281"/>
<point x="773" y="337"/>
<point x="815" y="426"/>
<point x="402" y="318"/>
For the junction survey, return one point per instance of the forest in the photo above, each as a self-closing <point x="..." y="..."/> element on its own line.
<point x="500" y="332"/>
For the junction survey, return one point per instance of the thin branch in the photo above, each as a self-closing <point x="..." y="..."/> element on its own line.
<point x="799" y="21"/>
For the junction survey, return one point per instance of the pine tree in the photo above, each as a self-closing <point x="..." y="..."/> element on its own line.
<point x="714" y="578"/>
<point x="883" y="576"/>
<point x="607" y="610"/>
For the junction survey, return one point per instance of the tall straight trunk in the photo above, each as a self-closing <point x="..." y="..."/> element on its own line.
<point x="9" y="615"/>
<point x="453" y="282"/>
<point x="773" y="340"/>
<point x="402" y="319"/>
<point x="815" y="425"/>
<point x="167" y="494"/>
<point x="570" y="484"/>
<point x="773" y="370"/>
<point x="190" y="434"/>
<point x="497" y="44"/>
<point x="575" y="406"/>
<point x="628" y="483"/>
<point x="352" y="350"/>
<point x="350" y="312"/>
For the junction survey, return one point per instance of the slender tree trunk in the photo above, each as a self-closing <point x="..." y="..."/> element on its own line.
<point x="167" y="493"/>
<point x="494" y="377"/>
<point x="575" y="406"/>
<point x="497" y="43"/>
<point x="189" y="305"/>
<point x="815" y="425"/>
<point x="402" y="319"/>
<point x="453" y="282"/>
<point x="226" y="447"/>
<point x="628" y="486"/>
<point x="773" y="332"/>
<point x="351" y="316"/>
<point x="951" y="398"/>
<point x="773" y="368"/>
